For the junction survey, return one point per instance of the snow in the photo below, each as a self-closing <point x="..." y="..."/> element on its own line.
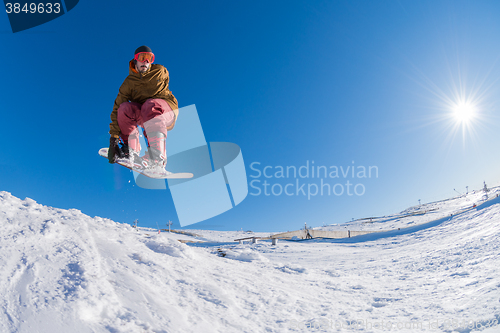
<point x="63" y="271"/>
<point x="419" y="215"/>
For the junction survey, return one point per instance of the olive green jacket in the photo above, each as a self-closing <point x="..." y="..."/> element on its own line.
<point x="139" y="87"/>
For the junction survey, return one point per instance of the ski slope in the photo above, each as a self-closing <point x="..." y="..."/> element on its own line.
<point x="63" y="271"/>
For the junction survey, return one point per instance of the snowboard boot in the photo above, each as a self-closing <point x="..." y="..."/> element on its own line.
<point x="130" y="152"/>
<point x="156" y="156"/>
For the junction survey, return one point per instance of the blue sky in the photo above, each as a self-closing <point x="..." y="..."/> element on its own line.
<point x="290" y="82"/>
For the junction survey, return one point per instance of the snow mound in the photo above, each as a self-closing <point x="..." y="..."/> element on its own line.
<point x="170" y="247"/>
<point x="243" y="254"/>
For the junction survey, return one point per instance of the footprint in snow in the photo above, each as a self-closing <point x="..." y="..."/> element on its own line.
<point x="379" y="302"/>
<point x="357" y="287"/>
<point x="378" y="305"/>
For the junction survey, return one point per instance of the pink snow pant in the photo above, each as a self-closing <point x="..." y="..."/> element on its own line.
<point x="155" y="115"/>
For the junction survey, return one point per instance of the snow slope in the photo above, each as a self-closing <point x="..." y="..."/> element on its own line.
<point x="419" y="214"/>
<point x="63" y="271"/>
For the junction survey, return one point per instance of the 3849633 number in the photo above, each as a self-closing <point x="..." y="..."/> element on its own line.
<point x="33" y="8"/>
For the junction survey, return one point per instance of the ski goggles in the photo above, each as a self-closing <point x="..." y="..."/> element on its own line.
<point x="143" y="56"/>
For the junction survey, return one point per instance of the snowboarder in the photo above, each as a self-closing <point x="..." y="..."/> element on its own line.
<point x="144" y="99"/>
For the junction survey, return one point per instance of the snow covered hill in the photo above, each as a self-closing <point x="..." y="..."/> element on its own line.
<point x="63" y="271"/>
<point x="421" y="214"/>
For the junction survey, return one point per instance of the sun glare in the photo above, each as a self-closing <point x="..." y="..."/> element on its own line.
<point x="463" y="108"/>
<point x="464" y="112"/>
<point x="464" y="117"/>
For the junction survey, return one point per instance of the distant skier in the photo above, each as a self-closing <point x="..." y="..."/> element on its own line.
<point x="144" y="99"/>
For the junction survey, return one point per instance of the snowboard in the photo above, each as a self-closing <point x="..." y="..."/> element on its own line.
<point x="151" y="173"/>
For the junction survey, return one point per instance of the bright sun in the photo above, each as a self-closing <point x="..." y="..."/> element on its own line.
<point x="464" y="112"/>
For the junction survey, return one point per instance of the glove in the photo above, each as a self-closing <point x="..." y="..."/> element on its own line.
<point x="114" y="149"/>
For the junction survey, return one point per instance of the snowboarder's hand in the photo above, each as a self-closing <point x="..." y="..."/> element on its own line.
<point x="114" y="149"/>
